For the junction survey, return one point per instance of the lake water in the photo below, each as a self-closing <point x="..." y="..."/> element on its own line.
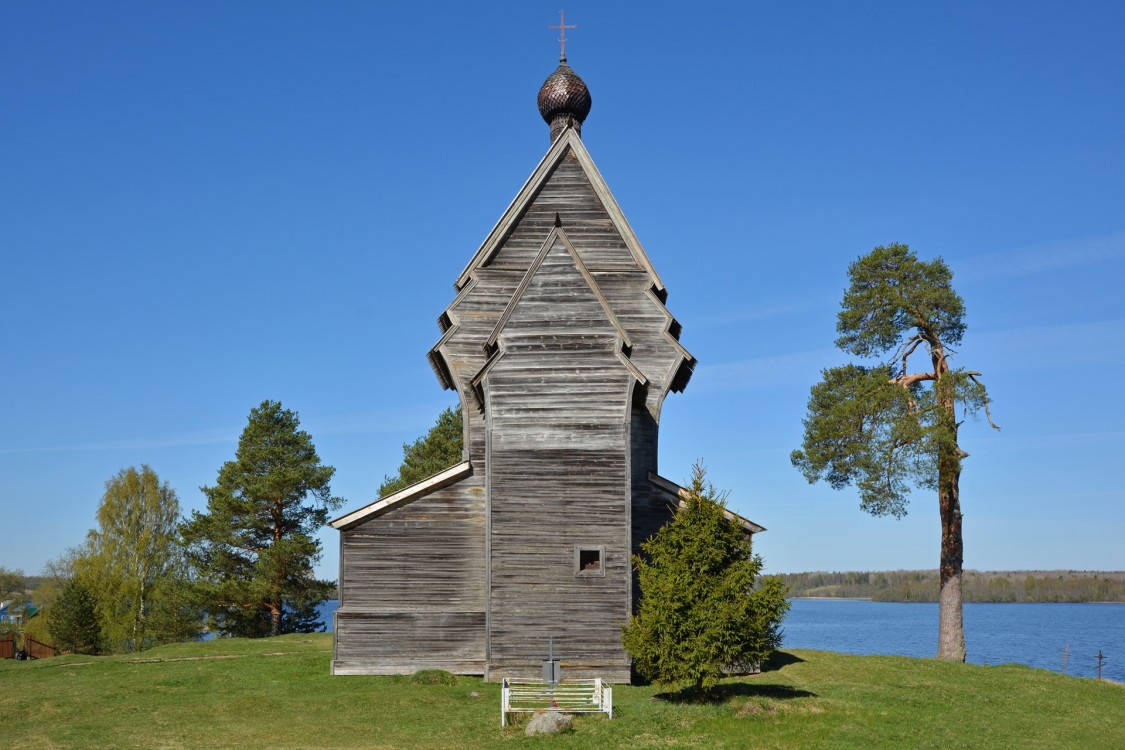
<point x="1031" y="634"/>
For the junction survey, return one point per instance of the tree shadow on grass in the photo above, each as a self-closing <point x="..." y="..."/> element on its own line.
<point x="779" y="659"/>
<point x="728" y="690"/>
<point x="776" y="661"/>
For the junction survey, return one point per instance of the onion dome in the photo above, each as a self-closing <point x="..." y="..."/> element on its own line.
<point x="564" y="100"/>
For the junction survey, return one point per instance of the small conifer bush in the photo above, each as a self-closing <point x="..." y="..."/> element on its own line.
<point x="703" y="612"/>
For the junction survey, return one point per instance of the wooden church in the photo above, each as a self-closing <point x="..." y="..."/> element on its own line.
<point x="562" y="351"/>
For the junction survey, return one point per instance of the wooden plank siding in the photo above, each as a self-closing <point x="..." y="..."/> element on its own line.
<point x="568" y="193"/>
<point x="535" y="592"/>
<point x="405" y="642"/>
<point x="412" y="586"/>
<point x="651" y="507"/>
<point x="558" y="477"/>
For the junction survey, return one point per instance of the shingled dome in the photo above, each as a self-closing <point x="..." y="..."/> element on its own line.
<point x="564" y="99"/>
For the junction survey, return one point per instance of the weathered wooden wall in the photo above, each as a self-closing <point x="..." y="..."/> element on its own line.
<point x="412" y="587"/>
<point x="651" y="507"/>
<point x="559" y="478"/>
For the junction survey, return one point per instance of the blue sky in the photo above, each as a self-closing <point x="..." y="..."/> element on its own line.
<point x="204" y="205"/>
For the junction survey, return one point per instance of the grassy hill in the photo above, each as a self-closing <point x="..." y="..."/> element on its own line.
<point x="277" y="693"/>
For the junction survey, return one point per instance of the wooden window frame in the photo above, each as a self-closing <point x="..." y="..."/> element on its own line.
<point x="578" y="550"/>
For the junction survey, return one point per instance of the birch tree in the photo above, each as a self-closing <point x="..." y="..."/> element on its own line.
<point x="132" y="563"/>
<point x="886" y="427"/>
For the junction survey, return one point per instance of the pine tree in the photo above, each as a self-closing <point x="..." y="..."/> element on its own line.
<point x="700" y="614"/>
<point x="885" y="428"/>
<point x="254" y="549"/>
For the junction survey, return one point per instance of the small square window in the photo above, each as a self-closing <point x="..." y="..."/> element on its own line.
<point x="589" y="561"/>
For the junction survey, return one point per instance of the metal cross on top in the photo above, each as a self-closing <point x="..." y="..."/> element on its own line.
<point x="562" y="27"/>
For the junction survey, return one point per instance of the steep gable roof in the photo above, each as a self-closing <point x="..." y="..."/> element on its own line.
<point x="567" y="143"/>
<point x="568" y="155"/>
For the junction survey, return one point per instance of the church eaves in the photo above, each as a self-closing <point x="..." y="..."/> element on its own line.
<point x="557" y="238"/>
<point x="384" y="505"/>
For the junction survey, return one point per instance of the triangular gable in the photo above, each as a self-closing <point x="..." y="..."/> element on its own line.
<point x="678" y="493"/>
<point x="403" y="496"/>
<point x="556" y="234"/>
<point x="491" y="345"/>
<point x="568" y="142"/>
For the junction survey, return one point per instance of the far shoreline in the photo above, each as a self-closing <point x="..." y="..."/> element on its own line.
<point x="928" y="601"/>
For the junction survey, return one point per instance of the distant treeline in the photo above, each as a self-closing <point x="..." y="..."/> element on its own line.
<point x="978" y="586"/>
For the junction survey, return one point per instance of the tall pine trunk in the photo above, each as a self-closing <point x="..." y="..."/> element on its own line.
<point x="951" y="624"/>
<point x="276" y="602"/>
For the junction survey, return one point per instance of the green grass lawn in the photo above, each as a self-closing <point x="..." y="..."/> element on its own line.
<point x="277" y="693"/>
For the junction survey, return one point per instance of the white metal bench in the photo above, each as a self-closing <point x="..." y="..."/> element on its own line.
<point x="569" y="697"/>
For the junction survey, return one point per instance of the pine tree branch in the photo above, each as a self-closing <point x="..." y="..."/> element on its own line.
<point x="908" y="347"/>
<point x="987" y="414"/>
<point x="908" y="380"/>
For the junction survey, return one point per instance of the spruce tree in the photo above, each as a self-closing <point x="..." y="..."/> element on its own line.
<point x="700" y="614"/>
<point x="72" y="621"/>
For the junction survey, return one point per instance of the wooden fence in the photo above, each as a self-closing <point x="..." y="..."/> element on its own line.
<point x="8" y="646"/>
<point x="37" y="650"/>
